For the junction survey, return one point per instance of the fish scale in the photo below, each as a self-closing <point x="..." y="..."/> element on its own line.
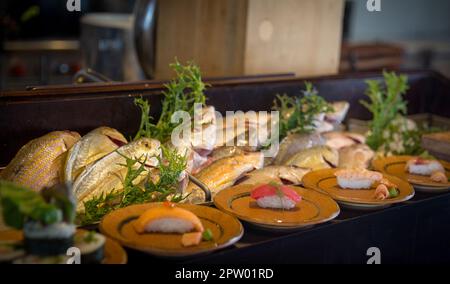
<point x="39" y="162"/>
<point x="46" y="156"/>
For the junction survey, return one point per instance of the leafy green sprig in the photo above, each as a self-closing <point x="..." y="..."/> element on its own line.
<point x="385" y="103"/>
<point x="298" y="114"/>
<point x="182" y="93"/>
<point x="167" y="174"/>
<point x="20" y="204"/>
<point x="170" y="170"/>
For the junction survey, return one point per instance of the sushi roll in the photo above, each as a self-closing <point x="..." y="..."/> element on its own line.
<point x="10" y="250"/>
<point x="275" y="196"/>
<point x="46" y="240"/>
<point x="423" y="167"/>
<point x="91" y="245"/>
<point x="357" y="178"/>
<point x="168" y="218"/>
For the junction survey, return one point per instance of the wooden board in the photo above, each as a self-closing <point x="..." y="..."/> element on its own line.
<point x="438" y="144"/>
<point x="302" y="36"/>
<point x="209" y="32"/>
<point x="241" y="37"/>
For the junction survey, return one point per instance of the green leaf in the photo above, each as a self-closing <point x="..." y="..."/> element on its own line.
<point x="207" y="235"/>
<point x="20" y="204"/>
<point x="181" y="94"/>
<point x="386" y="103"/>
<point x="393" y="192"/>
<point x="170" y="167"/>
<point x="297" y="114"/>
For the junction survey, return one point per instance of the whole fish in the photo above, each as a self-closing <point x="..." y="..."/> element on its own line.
<point x="107" y="174"/>
<point x="315" y="158"/>
<point x="249" y="130"/>
<point x="223" y="173"/>
<point x="203" y="136"/>
<point x="90" y="148"/>
<point x="294" y="143"/>
<point x="39" y="163"/>
<point x="339" y="139"/>
<point x="355" y="156"/>
<point x="340" y="109"/>
<point x="276" y="174"/>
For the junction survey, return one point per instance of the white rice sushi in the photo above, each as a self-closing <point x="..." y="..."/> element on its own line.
<point x="275" y="196"/>
<point x="423" y="167"/>
<point x="168" y="219"/>
<point x="357" y="178"/>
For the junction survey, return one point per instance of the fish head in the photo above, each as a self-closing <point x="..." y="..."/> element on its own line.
<point x="149" y="149"/>
<point x="115" y="136"/>
<point x="330" y="155"/>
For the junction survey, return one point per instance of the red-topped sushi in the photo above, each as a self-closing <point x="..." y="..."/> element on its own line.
<point x="275" y="196"/>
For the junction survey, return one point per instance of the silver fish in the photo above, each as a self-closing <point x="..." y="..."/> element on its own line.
<point x="107" y="174"/>
<point x="90" y="148"/>
<point x="315" y="158"/>
<point x="294" y="143"/>
<point x="355" y="156"/>
<point x="339" y="139"/>
<point x="276" y="174"/>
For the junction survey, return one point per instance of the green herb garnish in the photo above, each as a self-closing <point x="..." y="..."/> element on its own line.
<point x="162" y="185"/>
<point x="393" y="192"/>
<point x="170" y="168"/>
<point x="181" y="94"/>
<point x="89" y="237"/>
<point x="20" y="204"/>
<point x="207" y="235"/>
<point x="299" y="114"/>
<point x="386" y="103"/>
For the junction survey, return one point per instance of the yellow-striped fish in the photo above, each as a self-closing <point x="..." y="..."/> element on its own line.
<point x="39" y="163"/>
<point x="91" y="147"/>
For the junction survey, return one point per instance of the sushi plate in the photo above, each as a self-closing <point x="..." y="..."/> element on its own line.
<point x="395" y="165"/>
<point x="363" y="199"/>
<point x="114" y="253"/>
<point x="313" y="209"/>
<point x="226" y="230"/>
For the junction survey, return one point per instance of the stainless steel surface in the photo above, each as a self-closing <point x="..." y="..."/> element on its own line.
<point x="108" y="47"/>
<point x="41" y="45"/>
<point x="89" y="76"/>
<point x="145" y="34"/>
<point x="203" y="187"/>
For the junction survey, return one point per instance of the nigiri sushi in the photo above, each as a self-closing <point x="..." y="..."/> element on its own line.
<point x="168" y="218"/>
<point x="423" y="167"/>
<point x="275" y="196"/>
<point x="357" y="178"/>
